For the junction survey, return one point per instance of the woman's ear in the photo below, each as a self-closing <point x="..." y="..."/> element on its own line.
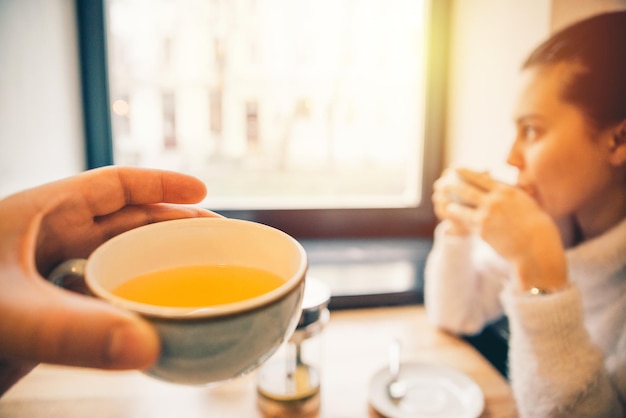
<point x="618" y="144"/>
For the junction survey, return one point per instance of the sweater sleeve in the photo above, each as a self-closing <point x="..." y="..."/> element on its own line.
<point x="461" y="284"/>
<point x="555" y="368"/>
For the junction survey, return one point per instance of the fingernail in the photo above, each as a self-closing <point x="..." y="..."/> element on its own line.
<point x="132" y="346"/>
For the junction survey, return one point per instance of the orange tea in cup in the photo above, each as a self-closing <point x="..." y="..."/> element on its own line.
<point x="198" y="285"/>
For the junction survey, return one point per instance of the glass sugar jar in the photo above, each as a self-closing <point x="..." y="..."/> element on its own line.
<point x="289" y="383"/>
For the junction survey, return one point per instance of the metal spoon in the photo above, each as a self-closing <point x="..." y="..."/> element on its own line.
<point x="396" y="388"/>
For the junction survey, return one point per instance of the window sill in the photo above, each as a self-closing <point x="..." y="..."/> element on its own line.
<point x="369" y="272"/>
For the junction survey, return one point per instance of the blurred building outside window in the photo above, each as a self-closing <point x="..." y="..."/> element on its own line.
<point x="273" y="103"/>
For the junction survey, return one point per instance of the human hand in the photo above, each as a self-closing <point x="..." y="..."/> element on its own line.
<point x="43" y="226"/>
<point x="512" y="222"/>
<point x="443" y="196"/>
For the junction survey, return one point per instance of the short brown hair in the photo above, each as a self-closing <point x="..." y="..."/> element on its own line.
<point x="598" y="45"/>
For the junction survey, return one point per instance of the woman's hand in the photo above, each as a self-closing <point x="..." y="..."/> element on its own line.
<point x="509" y="220"/>
<point x="443" y="197"/>
<point x="46" y="225"/>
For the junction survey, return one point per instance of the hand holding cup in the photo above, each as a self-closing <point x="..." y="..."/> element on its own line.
<point x="509" y="219"/>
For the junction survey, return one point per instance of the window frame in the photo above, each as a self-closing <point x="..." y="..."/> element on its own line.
<point x="418" y="221"/>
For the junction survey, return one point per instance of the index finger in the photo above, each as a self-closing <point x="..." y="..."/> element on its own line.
<point x="112" y="188"/>
<point x="481" y="180"/>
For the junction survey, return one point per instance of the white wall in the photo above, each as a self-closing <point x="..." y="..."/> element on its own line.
<point x="41" y="133"/>
<point x="490" y="40"/>
<point x="565" y="12"/>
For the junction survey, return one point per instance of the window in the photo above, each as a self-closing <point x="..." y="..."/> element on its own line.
<point x="321" y="118"/>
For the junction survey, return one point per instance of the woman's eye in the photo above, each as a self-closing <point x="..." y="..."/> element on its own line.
<point x="529" y="132"/>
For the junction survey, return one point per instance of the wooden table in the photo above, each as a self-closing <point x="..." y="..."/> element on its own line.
<point x="355" y="347"/>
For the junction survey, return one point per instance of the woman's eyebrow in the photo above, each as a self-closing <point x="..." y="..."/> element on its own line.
<point x="527" y="118"/>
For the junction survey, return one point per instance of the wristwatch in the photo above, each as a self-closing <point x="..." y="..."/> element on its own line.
<point x="535" y="291"/>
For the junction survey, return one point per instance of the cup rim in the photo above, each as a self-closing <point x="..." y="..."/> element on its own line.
<point x="170" y="312"/>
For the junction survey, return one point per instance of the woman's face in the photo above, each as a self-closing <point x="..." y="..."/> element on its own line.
<point x="562" y="163"/>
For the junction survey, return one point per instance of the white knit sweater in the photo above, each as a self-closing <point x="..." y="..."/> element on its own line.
<point x="567" y="354"/>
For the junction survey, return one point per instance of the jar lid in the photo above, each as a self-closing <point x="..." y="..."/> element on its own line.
<point x="314" y="303"/>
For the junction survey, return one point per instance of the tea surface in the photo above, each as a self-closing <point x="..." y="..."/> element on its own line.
<point x="192" y="286"/>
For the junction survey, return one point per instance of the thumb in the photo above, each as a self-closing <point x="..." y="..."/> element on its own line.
<point x="481" y="180"/>
<point x="51" y="325"/>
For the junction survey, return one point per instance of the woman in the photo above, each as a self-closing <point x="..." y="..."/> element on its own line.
<point x="550" y="251"/>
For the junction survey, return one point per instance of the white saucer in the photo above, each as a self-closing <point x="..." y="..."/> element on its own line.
<point x="432" y="391"/>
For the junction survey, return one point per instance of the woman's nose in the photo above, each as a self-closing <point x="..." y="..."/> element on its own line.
<point x="515" y="157"/>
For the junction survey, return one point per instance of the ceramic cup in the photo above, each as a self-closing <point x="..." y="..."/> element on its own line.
<point x="208" y="344"/>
